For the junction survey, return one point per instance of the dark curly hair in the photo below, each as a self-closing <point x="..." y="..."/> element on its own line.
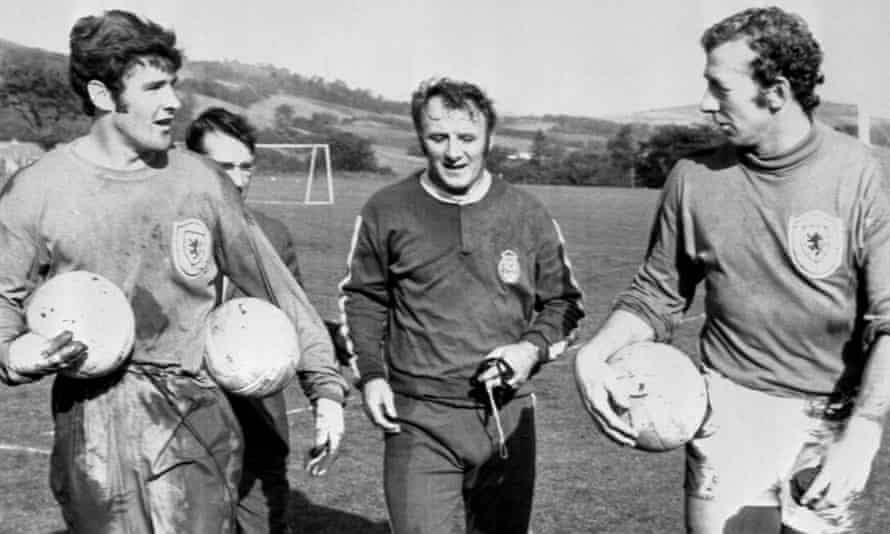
<point x="105" y="47"/>
<point x="784" y="46"/>
<point x="223" y="121"/>
<point x="456" y="95"/>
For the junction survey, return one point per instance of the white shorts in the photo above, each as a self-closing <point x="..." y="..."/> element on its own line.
<point x="751" y="446"/>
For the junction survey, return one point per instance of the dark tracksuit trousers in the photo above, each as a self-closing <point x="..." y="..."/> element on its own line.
<point x="443" y="473"/>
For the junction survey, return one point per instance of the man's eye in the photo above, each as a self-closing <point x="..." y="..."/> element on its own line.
<point x="467" y="138"/>
<point x="436" y="138"/>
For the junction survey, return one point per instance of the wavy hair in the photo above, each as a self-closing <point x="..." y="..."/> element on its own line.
<point x="784" y="46"/>
<point x="105" y="47"/>
<point x="455" y="95"/>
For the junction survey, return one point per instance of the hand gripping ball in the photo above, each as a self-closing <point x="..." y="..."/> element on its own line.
<point x="251" y="347"/>
<point x="96" y="312"/>
<point x="668" y="395"/>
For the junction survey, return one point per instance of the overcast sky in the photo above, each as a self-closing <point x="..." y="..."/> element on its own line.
<point x="584" y="57"/>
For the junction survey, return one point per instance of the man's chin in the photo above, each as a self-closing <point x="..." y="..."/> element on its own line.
<point x="455" y="185"/>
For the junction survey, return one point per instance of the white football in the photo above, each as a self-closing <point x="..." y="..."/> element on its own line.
<point x="94" y="310"/>
<point x="668" y="395"/>
<point x="251" y="347"/>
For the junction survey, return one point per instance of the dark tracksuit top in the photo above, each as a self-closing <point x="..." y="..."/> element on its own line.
<point x="433" y="286"/>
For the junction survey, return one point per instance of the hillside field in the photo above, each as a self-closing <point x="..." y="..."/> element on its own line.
<point x="585" y="483"/>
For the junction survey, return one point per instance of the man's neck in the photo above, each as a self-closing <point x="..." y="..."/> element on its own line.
<point x="105" y="148"/>
<point x="789" y="130"/>
<point x="472" y="195"/>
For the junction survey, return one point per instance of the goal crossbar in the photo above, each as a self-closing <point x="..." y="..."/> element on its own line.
<point x="313" y="161"/>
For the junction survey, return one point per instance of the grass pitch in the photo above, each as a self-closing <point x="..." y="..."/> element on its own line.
<point x="585" y="483"/>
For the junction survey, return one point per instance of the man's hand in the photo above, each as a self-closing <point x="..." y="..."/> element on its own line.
<point x="521" y="358"/>
<point x="377" y="399"/>
<point x="603" y="396"/>
<point x="846" y="465"/>
<point x="33" y="356"/>
<point x="328" y="433"/>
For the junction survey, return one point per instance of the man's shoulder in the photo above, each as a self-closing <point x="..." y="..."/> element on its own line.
<point x="394" y="194"/>
<point x="44" y="172"/>
<point x="201" y="174"/>
<point x="181" y="159"/>
<point x="519" y="200"/>
<point x="839" y="143"/>
<point x="713" y="158"/>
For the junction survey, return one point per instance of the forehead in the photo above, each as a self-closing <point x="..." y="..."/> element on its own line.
<point x="225" y="148"/>
<point x="730" y="59"/>
<point x="437" y="116"/>
<point x="148" y="70"/>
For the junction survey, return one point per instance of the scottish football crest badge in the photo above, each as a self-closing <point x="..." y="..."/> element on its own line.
<point x="508" y="267"/>
<point x="817" y="243"/>
<point x="191" y="247"/>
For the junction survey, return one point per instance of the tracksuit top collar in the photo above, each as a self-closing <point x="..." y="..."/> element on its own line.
<point x="476" y="192"/>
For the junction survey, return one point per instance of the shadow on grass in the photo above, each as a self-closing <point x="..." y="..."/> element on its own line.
<point x="306" y="517"/>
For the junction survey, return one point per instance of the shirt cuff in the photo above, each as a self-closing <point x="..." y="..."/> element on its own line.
<point x="538" y="340"/>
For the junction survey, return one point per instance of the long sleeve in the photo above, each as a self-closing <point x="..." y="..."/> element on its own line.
<point x="20" y="264"/>
<point x="873" y="254"/>
<point x="664" y="286"/>
<point x="557" y="299"/>
<point x="253" y="264"/>
<point x="365" y="298"/>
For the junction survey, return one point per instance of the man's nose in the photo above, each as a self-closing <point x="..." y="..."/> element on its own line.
<point x="708" y="103"/>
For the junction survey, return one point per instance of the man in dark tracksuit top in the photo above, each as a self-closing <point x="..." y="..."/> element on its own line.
<point x="448" y="269"/>
<point x="230" y="141"/>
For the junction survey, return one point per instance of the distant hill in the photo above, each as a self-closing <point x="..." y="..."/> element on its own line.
<point x="834" y="114"/>
<point x="258" y="89"/>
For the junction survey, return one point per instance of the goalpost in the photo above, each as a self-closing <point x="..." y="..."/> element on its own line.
<point x="863" y="122"/>
<point x="314" y="149"/>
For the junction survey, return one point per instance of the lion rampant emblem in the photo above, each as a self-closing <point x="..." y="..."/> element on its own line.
<point x="816" y="240"/>
<point x="191" y="247"/>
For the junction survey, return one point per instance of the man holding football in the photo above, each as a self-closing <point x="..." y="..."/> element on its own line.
<point x="154" y="446"/>
<point x="788" y="227"/>
<point x="458" y="290"/>
<point x="229" y="140"/>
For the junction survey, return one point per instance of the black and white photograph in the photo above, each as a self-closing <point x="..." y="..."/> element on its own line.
<point x="428" y="267"/>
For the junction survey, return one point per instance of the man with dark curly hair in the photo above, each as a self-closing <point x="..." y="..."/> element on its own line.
<point x="788" y="227"/>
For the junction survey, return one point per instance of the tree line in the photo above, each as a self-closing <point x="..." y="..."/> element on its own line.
<point x="636" y="155"/>
<point x="37" y="104"/>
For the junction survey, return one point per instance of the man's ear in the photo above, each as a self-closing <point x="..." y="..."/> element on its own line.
<point x="778" y="94"/>
<point x="100" y="96"/>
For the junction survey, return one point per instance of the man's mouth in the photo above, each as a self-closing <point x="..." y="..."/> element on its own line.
<point x="164" y="122"/>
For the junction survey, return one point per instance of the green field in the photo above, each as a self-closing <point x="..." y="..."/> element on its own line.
<point x="585" y="484"/>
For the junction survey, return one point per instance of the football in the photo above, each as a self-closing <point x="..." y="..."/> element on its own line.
<point x="94" y="309"/>
<point x="251" y="347"/>
<point x="668" y="395"/>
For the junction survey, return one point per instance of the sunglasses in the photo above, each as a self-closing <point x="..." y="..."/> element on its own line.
<point x="229" y="166"/>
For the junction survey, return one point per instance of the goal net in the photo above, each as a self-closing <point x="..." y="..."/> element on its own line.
<point x="317" y="157"/>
